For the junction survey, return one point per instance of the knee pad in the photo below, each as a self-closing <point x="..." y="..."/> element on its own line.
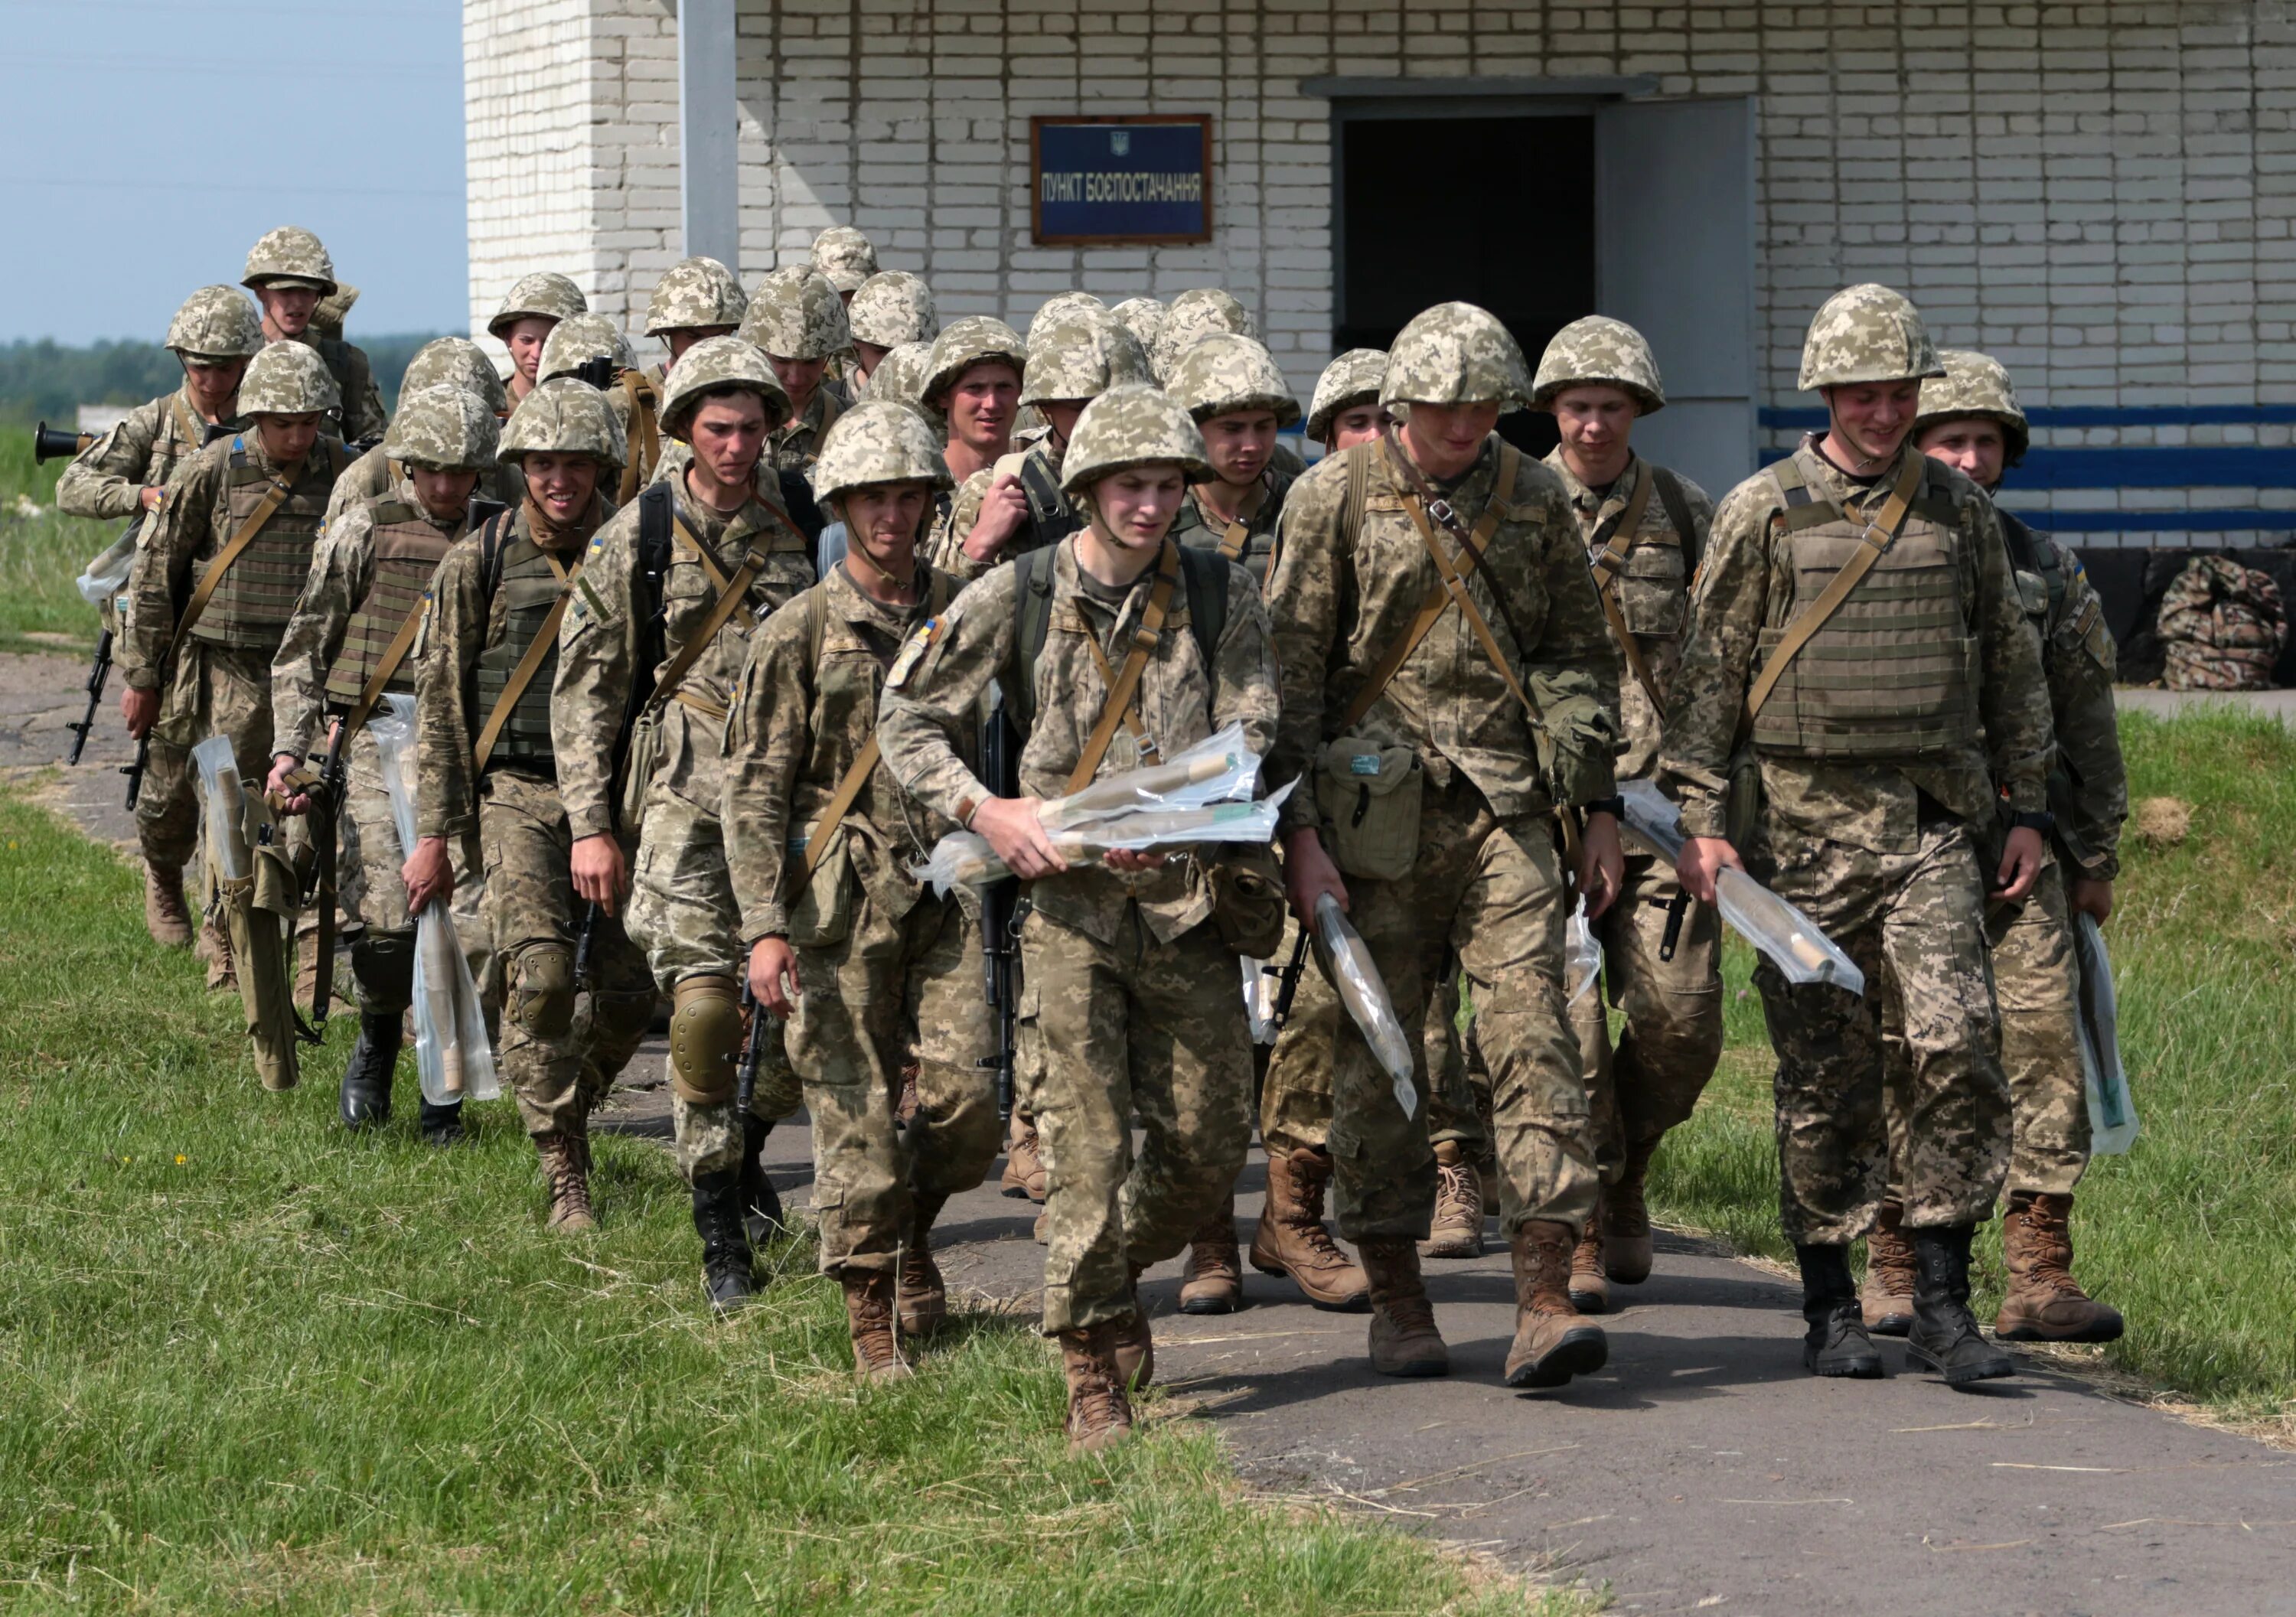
<point x="542" y="990"/>
<point x="705" y="1039"/>
<point x="384" y="964"/>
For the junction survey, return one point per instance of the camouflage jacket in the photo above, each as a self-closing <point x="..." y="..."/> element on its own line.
<point x="803" y="715"/>
<point x="108" y="478"/>
<point x="945" y="541"/>
<point x="1196" y="525"/>
<point x="936" y="691"/>
<point x="1746" y="585"/>
<point x="599" y="646"/>
<point x="375" y="475"/>
<point x="1653" y="593"/>
<point x="362" y="414"/>
<point x="792" y="446"/>
<point x="1345" y="587"/>
<point x="2088" y="785"/>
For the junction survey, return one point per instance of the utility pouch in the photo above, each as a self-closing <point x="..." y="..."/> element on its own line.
<point x="823" y="914"/>
<point x="638" y="766"/>
<point x="1369" y="793"/>
<point x="1247" y="902"/>
<point x="1742" y="808"/>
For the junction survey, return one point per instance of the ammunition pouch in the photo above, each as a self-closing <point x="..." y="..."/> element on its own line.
<point x="823" y="914"/>
<point x="705" y="1041"/>
<point x="384" y="967"/>
<point x="542" y="990"/>
<point x="1369" y="793"/>
<point x="1247" y="893"/>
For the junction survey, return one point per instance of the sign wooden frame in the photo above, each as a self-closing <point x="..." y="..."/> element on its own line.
<point x="1203" y="122"/>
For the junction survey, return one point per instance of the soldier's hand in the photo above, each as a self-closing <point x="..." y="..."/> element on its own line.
<point x="773" y="974"/>
<point x="2021" y="865"/>
<point x="2091" y="897"/>
<point x="141" y="711"/>
<point x="1309" y="874"/>
<point x="600" y="875"/>
<point x="1702" y="860"/>
<point x="286" y="796"/>
<point x="1132" y="860"/>
<point x="154" y="497"/>
<point x="1013" y="829"/>
<point x="1001" y="512"/>
<point x="1601" y="864"/>
<point x="428" y="874"/>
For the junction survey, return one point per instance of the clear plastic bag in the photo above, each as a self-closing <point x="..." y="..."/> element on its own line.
<point x="2111" y="1109"/>
<point x="1582" y="958"/>
<point x="1364" y="992"/>
<point x="965" y="857"/>
<point x="1220" y="769"/>
<point x="107" y="574"/>
<point x="1258" y="999"/>
<point x="451" y="1052"/>
<point x="225" y="798"/>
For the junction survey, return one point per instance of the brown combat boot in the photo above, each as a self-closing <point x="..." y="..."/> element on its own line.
<point x="215" y="948"/>
<point x="1552" y="1342"/>
<point x="1457" y="1231"/>
<point x="1024" y="1165"/>
<point x="1133" y="1343"/>
<point x="167" y="916"/>
<point x="1100" y="1416"/>
<point x="2045" y="1302"/>
<point x="565" y="1170"/>
<point x="923" y="1293"/>
<point x="1291" y="1238"/>
<point x="1590" y="1287"/>
<point x="1214" y="1281"/>
<point x="869" y="1315"/>
<point x="1404" y="1340"/>
<point x="1626" y="1220"/>
<point x="1886" y="1300"/>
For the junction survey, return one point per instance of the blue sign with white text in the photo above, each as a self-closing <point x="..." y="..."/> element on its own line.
<point x="1122" y="182"/>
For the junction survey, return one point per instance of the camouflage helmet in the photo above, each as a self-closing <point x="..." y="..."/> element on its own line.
<point x="1352" y="379"/>
<point x="878" y="442"/>
<point x="1222" y="374"/>
<point x="575" y="341"/>
<point x="1599" y="349"/>
<point x="1455" y="354"/>
<point x="694" y="293"/>
<point x="900" y="376"/>
<point x="892" y="308"/>
<point x="290" y="253"/>
<point x="1136" y="424"/>
<point x="1974" y="384"/>
<point x="217" y="322"/>
<point x="1060" y="306"/>
<point x="844" y="257"/>
<point x="443" y="429"/>
<point x="563" y="415"/>
<point x="1198" y="314"/>
<point x="797" y="314"/>
<point x="544" y="295"/>
<point x="1866" y="334"/>
<point x="458" y="362"/>
<point x="1144" y="317"/>
<point x="715" y="363"/>
<point x="288" y="379"/>
<point x="975" y="340"/>
<point x="1081" y="357"/>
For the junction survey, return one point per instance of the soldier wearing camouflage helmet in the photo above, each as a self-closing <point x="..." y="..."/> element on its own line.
<point x="1857" y="629"/>
<point x="1390" y="675"/>
<point x="798" y="321"/>
<point x="1240" y="401"/>
<point x="1970" y="420"/>
<point x="695" y="299"/>
<point x="593" y="345"/>
<point x="349" y="643"/>
<point x="455" y="362"/>
<point x="289" y="272"/>
<point x="900" y="378"/>
<point x="673" y="590"/>
<point x="1144" y="317"/>
<point x="530" y="310"/>
<point x="877" y="974"/>
<point x="1345" y="410"/>
<point x="1194" y="315"/>
<point x="1109" y="951"/>
<point x="890" y="310"/>
<point x="844" y="257"/>
<point x="972" y="383"/>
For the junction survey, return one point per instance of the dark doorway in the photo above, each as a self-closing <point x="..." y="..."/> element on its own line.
<point x="1494" y="211"/>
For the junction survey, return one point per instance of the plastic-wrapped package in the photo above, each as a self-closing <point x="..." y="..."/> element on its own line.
<point x="1258" y="999"/>
<point x="2111" y="1109"/>
<point x="451" y="1052"/>
<point x="223" y="798"/>
<point x="965" y="857"/>
<point x="1364" y="992"/>
<point x="1219" y="768"/>
<point x="1582" y="958"/>
<point x="107" y="574"/>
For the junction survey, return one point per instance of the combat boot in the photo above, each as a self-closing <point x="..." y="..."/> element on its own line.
<point x="1457" y="1231"/>
<point x="1626" y="1220"/>
<point x="441" y="1126"/>
<point x="1836" y="1344"/>
<point x="167" y="916"/>
<point x="1214" y="1281"/>
<point x="761" y="1204"/>
<point x="215" y="946"/>
<point x="724" y="1244"/>
<point x="567" y="1175"/>
<point x="2045" y="1303"/>
<point x="363" y="1101"/>
<point x="1404" y="1340"/>
<point x="1133" y="1343"/>
<point x="923" y="1293"/>
<point x="1945" y="1336"/>
<point x="1590" y="1287"/>
<point x="1024" y="1163"/>
<point x="1887" y="1300"/>
<point x="1290" y="1239"/>
<point x="869" y="1315"/>
<point x="1552" y="1342"/>
<point x="1100" y="1416"/>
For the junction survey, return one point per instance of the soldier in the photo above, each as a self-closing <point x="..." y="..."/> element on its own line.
<point x="1240" y="401"/>
<point x="1344" y="410"/>
<point x="889" y="310"/>
<point x="799" y="323"/>
<point x="900" y="378"/>
<point x="654" y="641"/>
<point x="844" y="257"/>
<point x="455" y="362"/>
<point x="524" y="322"/>
<point x="1433" y="756"/>
<point x="1970" y="420"/>
<point x="1194" y="315"/>
<point x="1144" y="317"/>
<point x="1858" y="625"/>
<point x="1108" y="952"/>
<point x="289" y="272"/>
<point x="696" y="298"/>
<point x="350" y="643"/>
<point x="875" y="973"/>
<point x="485" y="769"/>
<point x="588" y="340"/>
<point x="972" y="383"/>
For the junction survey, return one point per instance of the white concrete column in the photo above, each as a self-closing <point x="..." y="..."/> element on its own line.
<point x="707" y="119"/>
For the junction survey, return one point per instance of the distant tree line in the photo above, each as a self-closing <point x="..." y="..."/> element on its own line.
<point x="49" y="381"/>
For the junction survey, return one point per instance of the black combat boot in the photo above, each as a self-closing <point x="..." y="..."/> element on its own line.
<point x="365" y="1099"/>
<point x="1945" y="1336"/>
<point x="442" y="1126"/>
<point x="761" y="1204"/>
<point x="1836" y="1344"/>
<point x="724" y="1244"/>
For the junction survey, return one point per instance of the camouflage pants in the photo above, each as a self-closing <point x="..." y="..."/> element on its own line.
<point x="1131" y="1028"/>
<point x="2036" y="985"/>
<point x="897" y="988"/>
<point x="1491" y="892"/>
<point x="1915" y="923"/>
<point x="1458" y="1078"/>
<point x="367" y="861"/>
<point x="1668" y="1051"/>
<point x="214" y="690"/>
<point x="560" y="1051"/>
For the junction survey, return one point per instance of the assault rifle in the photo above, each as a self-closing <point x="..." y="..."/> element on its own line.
<point x="1000" y="912"/>
<point x="582" y="948"/>
<point x="1287" y="985"/>
<point x="98" y="671"/>
<point x="753" y="1048"/>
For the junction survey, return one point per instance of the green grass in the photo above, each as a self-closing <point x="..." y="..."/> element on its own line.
<point x="41" y="555"/>
<point x="249" y="1363"/>
<point x="2189" y="1235"/>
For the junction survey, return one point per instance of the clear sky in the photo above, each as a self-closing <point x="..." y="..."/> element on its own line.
<point x="145" y="144"/>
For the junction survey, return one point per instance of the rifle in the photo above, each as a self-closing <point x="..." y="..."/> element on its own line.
<point x="54" y="443"/>
<point x="1288" y="980"/>
<point x="582" y="948"/>
<point x="1000" y="913"/>
<point x="745" y="1073"/>
<point x="327" y="794"/>
<point x="98" y="672"/>
<point x="600" y="373"/>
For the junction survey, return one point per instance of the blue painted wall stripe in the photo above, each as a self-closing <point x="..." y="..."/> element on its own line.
<point x="2160" y="521"/>
<point x="1799" y="419"/>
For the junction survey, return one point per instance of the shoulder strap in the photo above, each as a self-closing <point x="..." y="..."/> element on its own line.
<point x="393" y="656"/>
<point x="529" y="664"/>
<point x="1207" y="588"/>
<point x="1610" y="563"/>
<point x="1678" y="517"/>
<point x="644" y="448"/>
<point x="186" y="423"/>
<point x="1235" y="535"/>
<point x="1032" y="616"/>
<point x="212" y="579"/>
<point x="735" y="591"/>
<point x="490" y="551"/>
<point x="830" y="411"/>
<point x="1126" y="683"/>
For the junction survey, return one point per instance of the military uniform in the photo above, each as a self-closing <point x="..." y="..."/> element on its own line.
<point x="107" y="480"/>
<point x="293" y="254"/>
<point x="887" y="311"/>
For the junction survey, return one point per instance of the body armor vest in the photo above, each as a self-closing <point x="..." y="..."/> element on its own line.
<point x="524" y="588"/>
<point x="254" y="600"/>
<point x="409" y="547"/>
<point x="1199" y="528"/>
<point x="1893" y="672"/>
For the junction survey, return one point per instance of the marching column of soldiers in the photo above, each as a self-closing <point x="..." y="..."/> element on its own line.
<point x="705" y="659"/>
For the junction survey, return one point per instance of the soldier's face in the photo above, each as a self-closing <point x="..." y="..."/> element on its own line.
<point x="1446" y="439"/>
<point x="1874" y="416"/>
<point x="213" y="380"/>
<point x="1972" y="445"/>
<point x="289" y="308"/>
<point x="561" y="484"/>
<point x="1238" y="444"/>
<point x="443" y="494"/>
<point x="1135" y="506"/>
<point x="728" y="434"/>
<point x="686" y="337"/>
<point x="288" y="438"/>
<point x="870" y="355"/>
<point x="1359" y="425"/>
<point x="524" y="339"/>
<point x="798" y="378"/>
<point x="1062" y="418"/>
<point x="982" y="403"/>
<point x="1595" y="422"/>
<point x="884" y="519"/>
